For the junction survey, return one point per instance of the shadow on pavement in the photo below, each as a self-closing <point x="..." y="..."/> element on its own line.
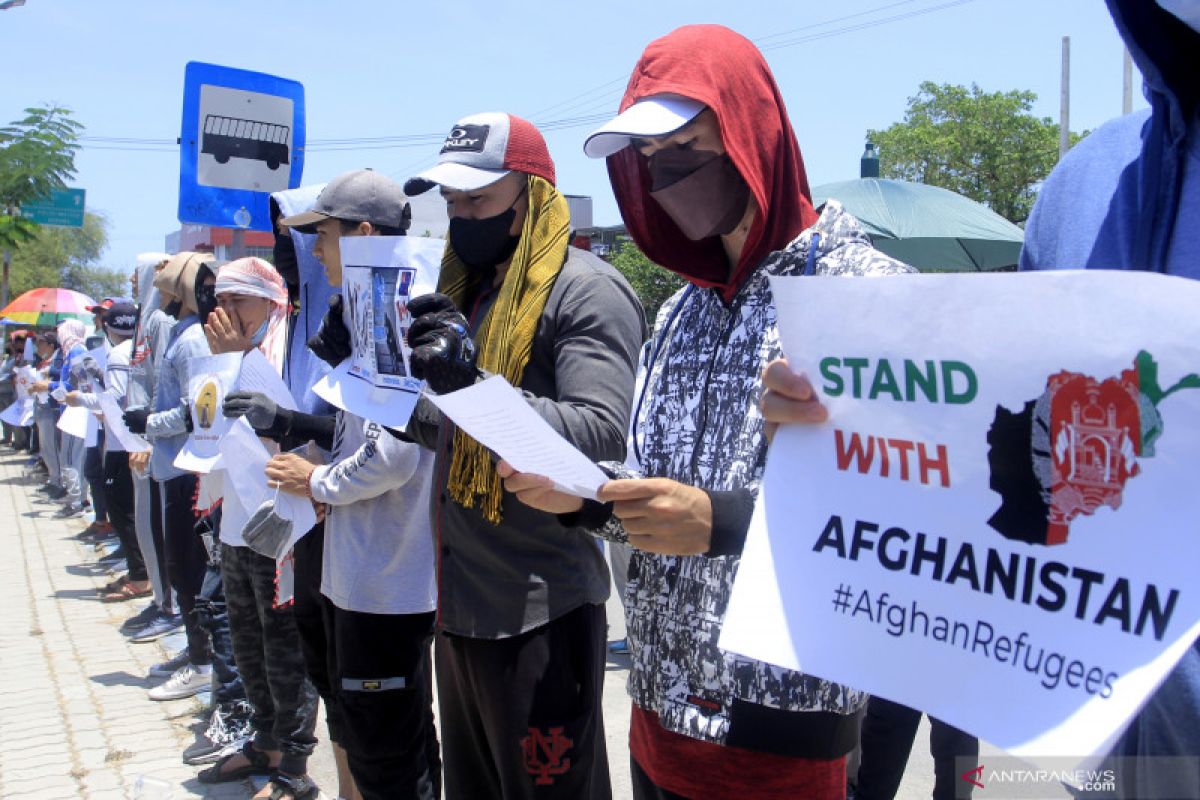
<point x="120" y="679"/>
<point x="95" y="570"/>
<point x="77" y="594"/>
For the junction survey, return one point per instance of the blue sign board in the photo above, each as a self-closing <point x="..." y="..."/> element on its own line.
<point x="242" y="139"/>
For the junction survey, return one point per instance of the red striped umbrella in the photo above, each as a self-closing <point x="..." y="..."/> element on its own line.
<point x="48" y="307"/>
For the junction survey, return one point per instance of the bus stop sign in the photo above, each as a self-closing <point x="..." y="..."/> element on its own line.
<point x="242" y="139"/>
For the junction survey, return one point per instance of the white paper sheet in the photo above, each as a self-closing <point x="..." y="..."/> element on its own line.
<point x="339" y="388"/>
<point x="18" y="412"/>
<point x="114" y="426"/>
<point x="22" y="378"/>
<point x="74" y="421"/>
<point x="257" y="375"/>
<point x="996" y="524"/>
<point x="245" y="459"/>
<point x="497" y="416"/>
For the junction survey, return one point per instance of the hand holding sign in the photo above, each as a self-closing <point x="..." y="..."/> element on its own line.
<point x="788" y="397"/>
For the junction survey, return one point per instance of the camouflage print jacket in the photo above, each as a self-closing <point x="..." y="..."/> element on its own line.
<point x="699" y="424"/>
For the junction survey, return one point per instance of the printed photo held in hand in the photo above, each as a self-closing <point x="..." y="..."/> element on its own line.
<point x="380" y="276"/>
<point x="996" y="518"/>
<point x="212" y="377"/>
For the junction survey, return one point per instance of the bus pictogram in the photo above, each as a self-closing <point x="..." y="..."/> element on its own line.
<point x="228" y="137"/>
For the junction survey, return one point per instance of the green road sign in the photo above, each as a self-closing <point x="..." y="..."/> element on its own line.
<point x="63" y="208"/>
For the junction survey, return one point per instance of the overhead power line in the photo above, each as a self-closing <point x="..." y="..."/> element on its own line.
<point x="584" y="105"/>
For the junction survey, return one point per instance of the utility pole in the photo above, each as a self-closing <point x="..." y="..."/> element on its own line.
<point x="4" y="281"/>
<point x="1064" y="107"/>
<point x="237" y="248"/>
<point x="1127" y="98"/>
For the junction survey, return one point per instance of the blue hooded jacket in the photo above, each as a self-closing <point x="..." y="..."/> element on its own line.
<point x="1121" y="198"/>
<point x="303" y="369"/>
<point x="1127" y="197"/>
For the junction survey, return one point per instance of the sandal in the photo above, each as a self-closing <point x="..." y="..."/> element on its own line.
<point x="114" y="585"/>
<point x="297" y="787"/>
<point x="260" y="763"/>
<point x="126" y="591"/>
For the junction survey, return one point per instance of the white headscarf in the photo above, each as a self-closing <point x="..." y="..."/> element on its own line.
<point x="254" y="277"/>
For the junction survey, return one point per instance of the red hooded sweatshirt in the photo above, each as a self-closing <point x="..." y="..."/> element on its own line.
<point x="726" y="72"/>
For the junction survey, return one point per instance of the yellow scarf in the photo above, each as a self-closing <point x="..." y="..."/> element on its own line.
<point x="505" y="339"/>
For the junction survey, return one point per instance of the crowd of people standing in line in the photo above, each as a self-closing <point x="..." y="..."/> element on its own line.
<point x="425" y="545"/>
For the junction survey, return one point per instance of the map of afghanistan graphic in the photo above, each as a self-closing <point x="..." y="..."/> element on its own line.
<point x="1071" y="451"/>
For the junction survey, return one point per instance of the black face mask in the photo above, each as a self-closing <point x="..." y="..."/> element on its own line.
<point x="174" y="307"/>
<point x="206" y="301"/>
<point x="483" y="243"/>
<point x="285" y="260"/>
<point x="702" y="192"/>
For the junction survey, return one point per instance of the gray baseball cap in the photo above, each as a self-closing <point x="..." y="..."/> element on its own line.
<point x="359" y="196"/>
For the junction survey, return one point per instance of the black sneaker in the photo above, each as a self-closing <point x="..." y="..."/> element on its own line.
<point x="140" y="619"/>
<point x="228" y="729"/>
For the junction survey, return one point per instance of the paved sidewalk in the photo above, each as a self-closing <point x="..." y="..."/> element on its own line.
<point x="75" y="721"/>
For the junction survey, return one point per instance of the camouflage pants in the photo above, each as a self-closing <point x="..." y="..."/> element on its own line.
<point x="267" y="649"/>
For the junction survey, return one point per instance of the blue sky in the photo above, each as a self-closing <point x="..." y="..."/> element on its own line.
<point x="374" y="69"/>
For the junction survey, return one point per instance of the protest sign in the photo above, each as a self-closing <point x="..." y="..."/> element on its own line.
<point x="74" y="421"/>
<point x="995" y="526"/>
<point x="20" y="413"/>
<point x="114" y="426"/>
<point x="212" y="377"/>
<point x="380" y="274"/>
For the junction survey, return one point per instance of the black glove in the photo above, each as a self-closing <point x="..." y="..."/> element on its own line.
<point x="135" y="419"/>
<point x="188" y="425"/>
<point x="442" y="351"/>
<point x="331" y="343"/>
<point x="263" y="414"/>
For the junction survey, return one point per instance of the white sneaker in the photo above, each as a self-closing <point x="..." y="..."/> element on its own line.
<point x="188" y="680"/>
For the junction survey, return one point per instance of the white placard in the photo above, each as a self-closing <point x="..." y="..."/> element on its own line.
<point x="114" y="426"/>
<point x="212" y="377"/>
<point x="20" y="413"/>
<point x="996" y="526"/>
<point x="496" y="415"/>
<point x="380" y="274"/>
<point x="74" y="421"/>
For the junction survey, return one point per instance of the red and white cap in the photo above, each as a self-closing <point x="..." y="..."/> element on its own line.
<point x="483" y="148"/>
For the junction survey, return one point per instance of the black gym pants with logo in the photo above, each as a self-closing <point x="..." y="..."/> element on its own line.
<point x="522" y="716"/>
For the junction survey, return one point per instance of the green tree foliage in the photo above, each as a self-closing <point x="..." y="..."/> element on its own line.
<point x="987" y="146"/>
<point x="68" y="258"/>
<point x="37" y="156"/>
<point x="652" y="283"/>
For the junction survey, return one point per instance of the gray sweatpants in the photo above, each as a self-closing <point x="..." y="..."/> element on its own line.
<point x="46" y="420"/>
<point x="145" y="539"/>
<point x="72" y="454"/>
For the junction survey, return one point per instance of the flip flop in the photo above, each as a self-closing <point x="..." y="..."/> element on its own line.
<point x="126" y="591"/>
<point x="114" y="585"/>
<point x="260" y="763"/>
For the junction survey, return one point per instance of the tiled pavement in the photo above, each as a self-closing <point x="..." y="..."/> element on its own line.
<point x="75" y="721"/>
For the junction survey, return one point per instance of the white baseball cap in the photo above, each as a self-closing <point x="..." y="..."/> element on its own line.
<point x="650" y="116"/>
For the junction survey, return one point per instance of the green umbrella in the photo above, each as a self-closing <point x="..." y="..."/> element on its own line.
<point x="933" y="229"/>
